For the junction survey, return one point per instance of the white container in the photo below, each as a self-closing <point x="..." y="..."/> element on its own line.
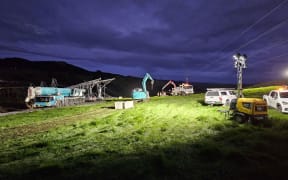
<point x="119" y="105"/>
<point x="124" y="104"/>
<point x="128" y="104"/>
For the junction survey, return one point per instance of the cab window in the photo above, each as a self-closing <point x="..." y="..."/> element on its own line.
<point x="224" y="93"/>
<point x="260" y="108"/>
<point x="232" y="92"/>
<point x="246" y="105"/>
<point x="273" y="94"/>
<point x="284" y="94"/>
<point x="44" y="99"/>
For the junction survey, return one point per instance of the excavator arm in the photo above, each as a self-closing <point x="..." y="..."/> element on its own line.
<point x="146" y="77"/>
<point x="168" y="83"/>
<point x="142" y="94"/>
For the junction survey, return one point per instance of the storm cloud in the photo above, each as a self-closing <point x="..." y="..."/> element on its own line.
<point x="169" y="39"/>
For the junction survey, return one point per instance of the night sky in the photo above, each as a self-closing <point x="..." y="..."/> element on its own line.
<point x="170" y="39"/>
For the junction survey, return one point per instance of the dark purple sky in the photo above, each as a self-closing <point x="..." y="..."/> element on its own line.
<point x="170" y="39"/>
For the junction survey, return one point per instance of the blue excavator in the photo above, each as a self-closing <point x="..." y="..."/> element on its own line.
<point x="142" y="93"/>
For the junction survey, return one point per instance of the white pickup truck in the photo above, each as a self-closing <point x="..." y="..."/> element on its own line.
<point x="277" y="99"/>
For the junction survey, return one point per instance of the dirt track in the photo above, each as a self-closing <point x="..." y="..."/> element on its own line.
<point x="25" y="130"/>
<point x="15" y="112"/>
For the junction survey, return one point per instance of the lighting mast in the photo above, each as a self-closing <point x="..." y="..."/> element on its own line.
<point x="239" y="64"/>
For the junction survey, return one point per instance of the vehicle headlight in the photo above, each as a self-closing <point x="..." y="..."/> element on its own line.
<point x="284" y="102"/>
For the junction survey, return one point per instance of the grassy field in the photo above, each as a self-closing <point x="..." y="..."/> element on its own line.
<point x="163" y="138"/>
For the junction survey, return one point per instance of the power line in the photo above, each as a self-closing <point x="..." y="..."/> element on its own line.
<point x="253" y="40"/>
<point x="249" y="28"/>
<point x="278" y="56"/>
<point x="262" y="34"/>
<point x="270" y="47"/>
<point x="268" y="60"/>
<point x="264" y="16"/>
<point x="255" y="23"/>
<point x="22" y="50"/>
<point x="278" y="44"/>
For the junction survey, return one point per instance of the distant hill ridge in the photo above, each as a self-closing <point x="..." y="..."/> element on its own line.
<point x="26" y="72"/>
<point x="17" y="69"/>
<point x="270" y="83"/>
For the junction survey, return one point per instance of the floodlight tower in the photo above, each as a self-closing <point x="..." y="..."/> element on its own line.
<point x="239" y="64"/>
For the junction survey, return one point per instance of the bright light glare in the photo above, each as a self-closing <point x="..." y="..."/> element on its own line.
<point x="242" y="58"/>
<point x="285" y="73"/>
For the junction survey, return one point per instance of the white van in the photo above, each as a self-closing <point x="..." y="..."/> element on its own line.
<point x="219" y="96"/>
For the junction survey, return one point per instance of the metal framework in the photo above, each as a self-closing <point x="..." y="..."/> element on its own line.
<point x="239" y="64"/>
<point x="54" y="82"/>
<point x="89" y="85"/>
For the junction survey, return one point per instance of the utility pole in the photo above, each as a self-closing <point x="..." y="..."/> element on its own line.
<point x="239" y="64"/>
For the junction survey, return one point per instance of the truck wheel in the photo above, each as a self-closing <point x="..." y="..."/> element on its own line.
<point x="30" y="104"/>
<point x="239" y="119"/>
<point x="279" y="108"/>
<point x="251" y="120"/>
<point x="227" y="102"/>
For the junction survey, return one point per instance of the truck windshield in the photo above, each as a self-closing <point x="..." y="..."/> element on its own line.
<point x="232" y="92"/>
<point x="212" y="93"/>
<point x="137" y="90"/>
<point x="283" y="94"/>
<point x="43" y="99"/>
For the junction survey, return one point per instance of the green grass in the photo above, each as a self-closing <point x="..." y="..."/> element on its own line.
<point x="259" y="92"/>
<point x="163" y="138"/>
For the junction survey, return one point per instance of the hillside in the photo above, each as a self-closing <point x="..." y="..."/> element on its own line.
<point x="17" y="74"/>
<point x="22" y="72"/>
<point x="26" y="72"/>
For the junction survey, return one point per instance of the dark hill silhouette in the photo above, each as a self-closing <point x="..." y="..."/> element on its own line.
<point x="18" y="74"/>
<point x="24" y="72"/>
